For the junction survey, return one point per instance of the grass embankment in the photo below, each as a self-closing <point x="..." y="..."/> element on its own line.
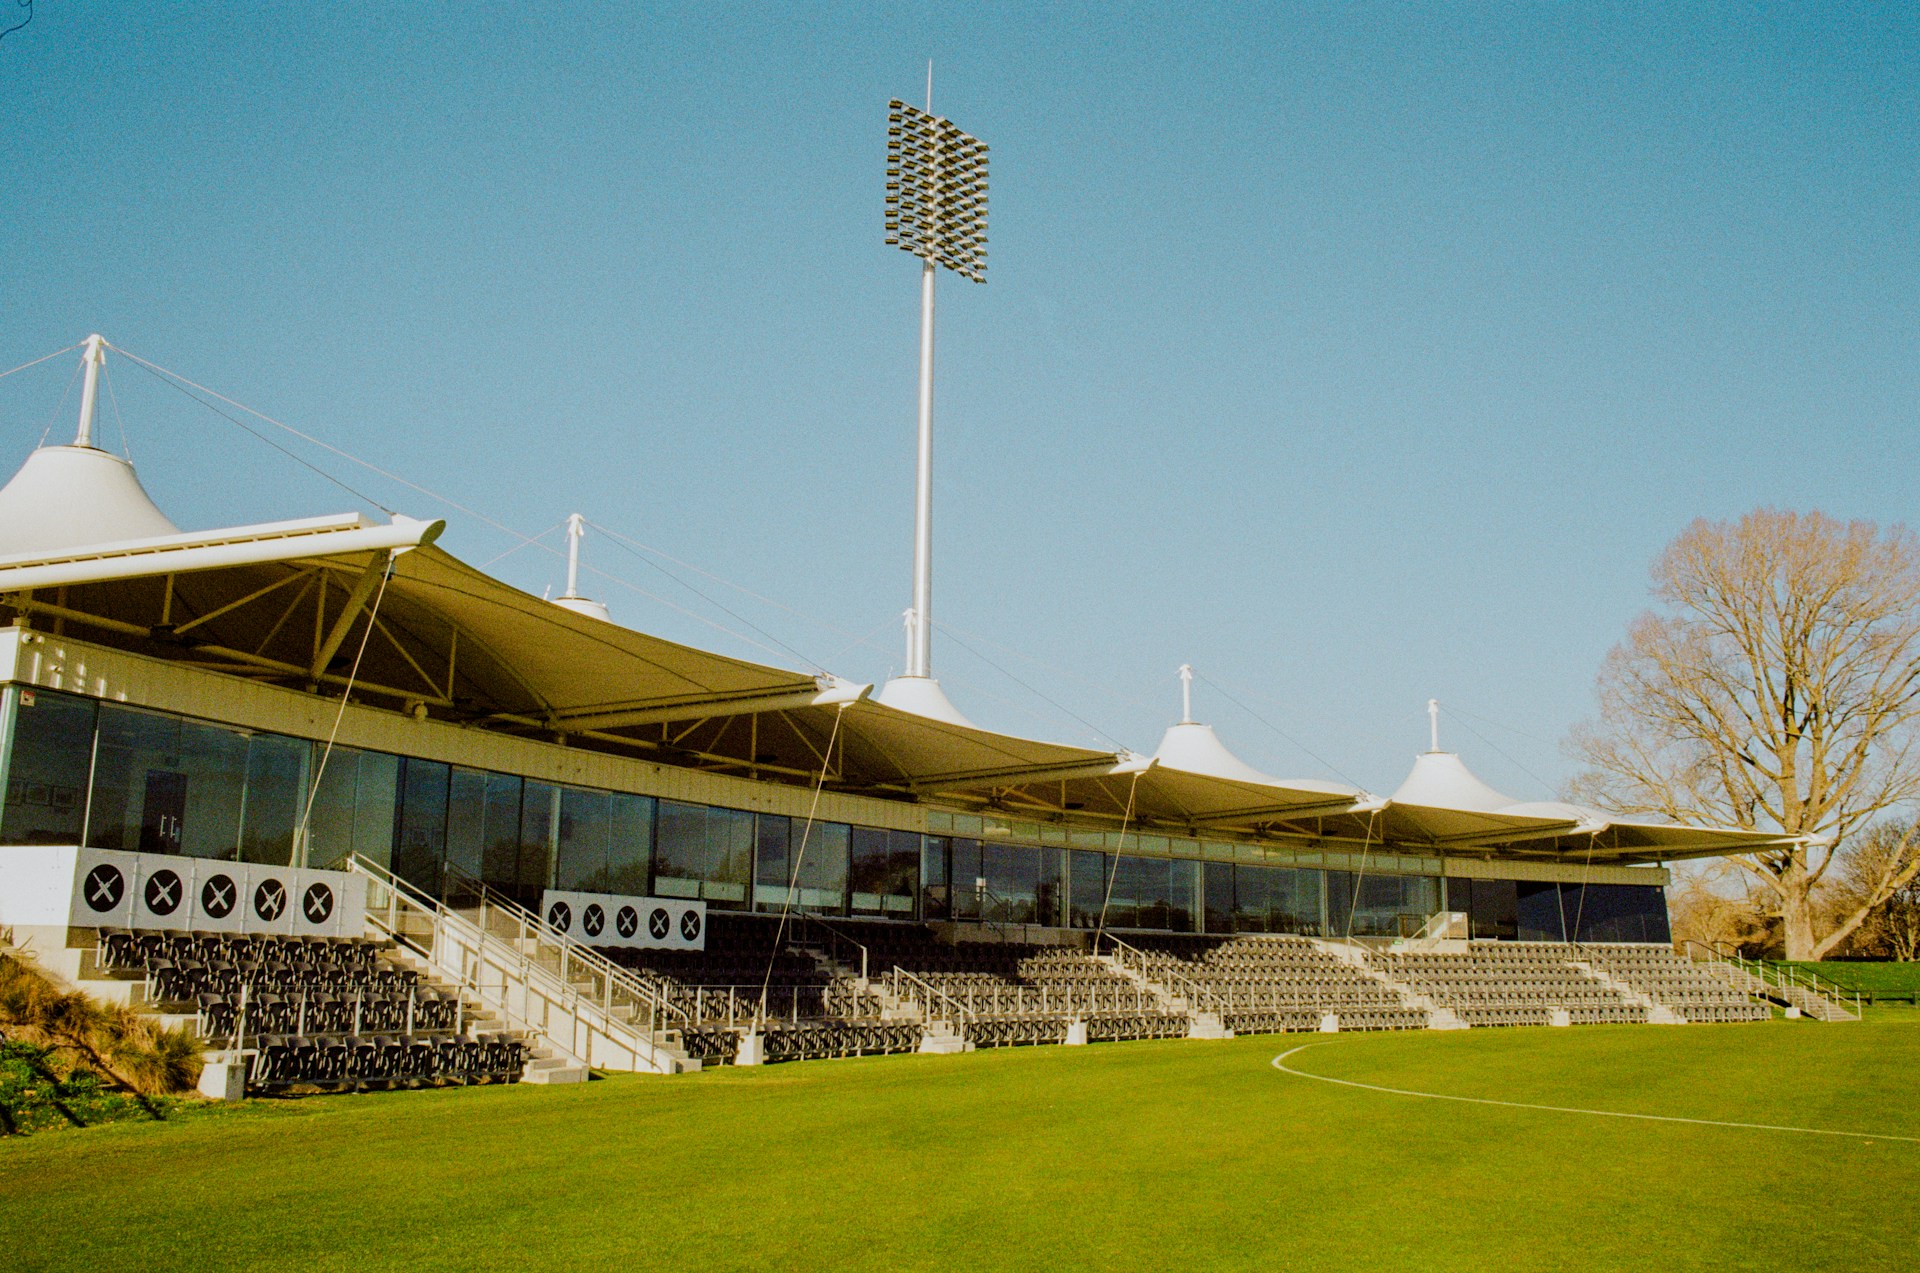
<point x="1889" y="980"/>
<point x="1134" y="1156"/>
<point x="66" y="1060"/>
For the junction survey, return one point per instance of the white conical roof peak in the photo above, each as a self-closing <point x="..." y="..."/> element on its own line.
<point x="1195" y="748"/>
<point x="922" y="696"/>
<point x="75" y="497"/>
<point x="1442" y="780"/>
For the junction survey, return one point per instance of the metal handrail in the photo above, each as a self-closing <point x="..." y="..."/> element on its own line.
<point x="609" y="974"/>
<point x="1780" y="976"/>
<point x="569" y="999"/>
<point x="398" y="890"/>
<point x="1198" y="997"/>
<point x="837" y="935"/>
<point x="933" y="992"/>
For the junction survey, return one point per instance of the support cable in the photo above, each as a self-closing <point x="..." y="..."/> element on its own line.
<point x="1353" y="902"/>
<point x="320" y="772"/>
<point x="43" y="358"/>
<point x="793" y="876"/>
<point x="1101" y="927"/>
<point x="1228" y="695"/>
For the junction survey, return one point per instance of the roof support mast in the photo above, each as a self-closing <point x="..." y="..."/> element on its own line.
<point x="93" y="360"/>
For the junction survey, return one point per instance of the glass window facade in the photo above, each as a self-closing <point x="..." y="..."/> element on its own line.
<point x="48" y="770"/>
<point x="882" y="872"/>
<point x="120" y="777"/>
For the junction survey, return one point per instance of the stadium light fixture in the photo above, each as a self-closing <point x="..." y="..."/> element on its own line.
<point x="937" y="210"/>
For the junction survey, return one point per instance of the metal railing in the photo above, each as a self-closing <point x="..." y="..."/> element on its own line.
<point x="1161" y="972"/>
<point x="495" y="957"/>
<point x="837" y="938"/>
<point x="902" y="984"/>
<point x="610" y="985"/>
<point x="1792" y="983"/>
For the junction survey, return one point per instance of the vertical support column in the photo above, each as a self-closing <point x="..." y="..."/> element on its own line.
<point x="93" y="359"/>
<point x="920" y="638"/>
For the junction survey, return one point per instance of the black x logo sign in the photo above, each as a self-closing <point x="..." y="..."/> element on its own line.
<point x="690" y="925"/>
<point x="162" y="892"/>
<point x="593" y="919"/>
<point x="103" y="887"/>
<point x="658" y="924"/>
<point x="217" y="896"/>
<point x="318" y="903"/>
<point x="269" y="899"/>
<point x="627" y="921"/>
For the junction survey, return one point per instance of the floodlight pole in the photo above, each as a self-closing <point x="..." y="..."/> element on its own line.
<point x="920" y="636"/>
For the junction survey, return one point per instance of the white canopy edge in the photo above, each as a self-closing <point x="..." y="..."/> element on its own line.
<point x="213" y="550"/>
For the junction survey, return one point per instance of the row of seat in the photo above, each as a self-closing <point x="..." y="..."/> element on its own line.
<point x="415" y="1012"/>
<point x="123" y="949"/>
<point x="354" y="1062"/>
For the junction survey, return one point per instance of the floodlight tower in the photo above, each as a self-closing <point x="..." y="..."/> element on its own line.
<point x="937" y="210"/>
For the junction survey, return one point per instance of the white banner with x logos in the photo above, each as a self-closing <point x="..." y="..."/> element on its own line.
<point x="113" y="889"/>
<point x="633" y="923"/>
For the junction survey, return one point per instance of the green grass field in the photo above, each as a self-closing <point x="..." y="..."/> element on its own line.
<point x="1874" y="978"/>
<point x="1131" y="1156"/>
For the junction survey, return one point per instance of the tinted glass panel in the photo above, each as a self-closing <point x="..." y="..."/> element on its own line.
<point x="1013" y="879"/>
<point x="772" y="863"/>
<point x="729" y="858"/>
<point x="483" y="825"/>
<point x="933" y="877"/>
<point x="525" y="874"/>
<point x="1087" y="886"/>
<point x="882" y="872"/>
<point x="680" y="849"/>
<point x="1181" y="878"/>
<point x="420" y="836"/>
<point x="1617" y="912"/>
<point x="163" y="785"/>
<point x="586" y="835"/>
<point x="1217" y="890"/>
<point x="1540" y="917"/>
<point x="1394" y="905"/>
<point x="820" y="854"/>
<point x="47" y="768"/>
<point x="968" y="884"/>
<point x="630" y="847"/>
<point x="276" y="788"/>
<point x="1496" y="909"/>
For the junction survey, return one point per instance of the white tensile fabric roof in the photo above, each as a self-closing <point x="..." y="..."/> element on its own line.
<point x="475" y="649"/>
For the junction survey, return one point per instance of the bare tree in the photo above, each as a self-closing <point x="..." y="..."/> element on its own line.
<point x="1715" y="917"/>
<point x="1892" y="927"/>
<point x="1776" y="687"/>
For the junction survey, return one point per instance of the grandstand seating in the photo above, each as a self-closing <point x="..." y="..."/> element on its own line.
<point x="318" y="1013"/>
<point x="1691" y="990"/>
<point x="1261" y="983"/>
<point x="1510" y="983"/>
<point x="1001" y="994"/>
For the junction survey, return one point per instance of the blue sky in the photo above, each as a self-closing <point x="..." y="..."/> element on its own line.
<point x="1356" y="354"/>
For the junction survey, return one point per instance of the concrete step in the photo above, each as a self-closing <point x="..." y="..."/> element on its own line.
<point x="553" y="1069"/>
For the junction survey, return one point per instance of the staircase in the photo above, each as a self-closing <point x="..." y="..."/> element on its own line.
<point x="1438" y="1017"/>
<point x="1788" y="987"/>
<point x="1175" y="994"/>
<point x="1657" y="1013"/>
<point x="580" y="1009"/>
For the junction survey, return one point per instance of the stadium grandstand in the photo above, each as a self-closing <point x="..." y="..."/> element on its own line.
<point x="363" y="815"/>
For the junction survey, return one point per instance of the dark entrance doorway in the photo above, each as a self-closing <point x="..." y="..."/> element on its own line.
<point x="163" y="812"/>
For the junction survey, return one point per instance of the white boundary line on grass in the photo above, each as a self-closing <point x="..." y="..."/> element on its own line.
<point x="1564" y="1109"/>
